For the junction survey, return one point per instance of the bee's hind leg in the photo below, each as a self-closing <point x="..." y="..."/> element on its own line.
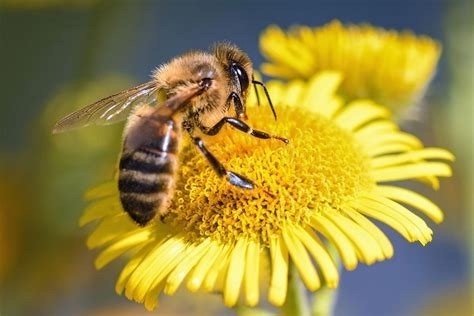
<point x="232" y="177"/>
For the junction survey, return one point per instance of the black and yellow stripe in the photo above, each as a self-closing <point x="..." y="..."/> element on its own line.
<point x="146" y="179"/>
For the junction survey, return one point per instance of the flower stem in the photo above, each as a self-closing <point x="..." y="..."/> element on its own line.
<point x="251" y="311"/>
<point x="324" y="300"/>
<point x="296" y="302"/>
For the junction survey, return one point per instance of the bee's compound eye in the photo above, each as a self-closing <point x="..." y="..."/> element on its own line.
<point x="241" y="74"/>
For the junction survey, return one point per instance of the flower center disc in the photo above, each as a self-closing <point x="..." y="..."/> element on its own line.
<point x="321" y="166"/>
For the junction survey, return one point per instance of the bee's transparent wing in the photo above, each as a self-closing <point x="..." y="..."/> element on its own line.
<point x="109" y="110"/>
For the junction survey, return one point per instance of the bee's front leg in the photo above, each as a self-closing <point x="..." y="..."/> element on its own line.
<point x="238" y="105"/>
<point x="241" y="126"/>
<point x="232" y="177"/>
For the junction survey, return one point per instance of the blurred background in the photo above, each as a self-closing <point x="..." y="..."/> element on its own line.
<point x="58" y="55"/>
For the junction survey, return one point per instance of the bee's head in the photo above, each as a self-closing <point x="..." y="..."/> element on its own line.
<point x="238" y="67"/>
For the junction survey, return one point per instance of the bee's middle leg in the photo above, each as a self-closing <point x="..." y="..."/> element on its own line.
<point x="232" y="177"/>
<point x="243" y="127"/>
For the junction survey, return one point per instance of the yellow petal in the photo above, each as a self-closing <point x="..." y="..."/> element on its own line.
<point x="337" y="237"/>
<point x="137" y="237"/>
<point x="369" y="131"/>
<point x="131" y="265"/>
<point x="301" y="259"/>
<point x="204" y="265"/>
<point x="373" y="230"/>
<point x="412" y="198"/>
<point x="391" y="138"/>
<point x="360" y="112"/>
<point x="105" y="207"/>
<point x="276" y="46"/>
<point x="432" y="181"/>
<point x="374" y="151"/>
<point x="330" y="108"/>
<point x="101" y="191"/>
<point x="415" y="225"/>
<point x="221" y="264"/>
<point x="412" y="156"/>
<point x="375" y="128"/>
<point x="235" y="273"/>
<point x="195" y="253"/>
<point x="251" y="276"/>
<point x="279" y="278"/>
<point x="415" y="170"/>
<point x="374" y="212"/>
<point x="320" y="255"/>
<point x="154" y="267"/>
<point x="277" y="71"/>
<point x="294" y="92"/>
<point x="320" y="91"/>
<point x="367" y="248"/>
<point x="304" y="56"/>
<point x="109" y="228"/>
<point x="151" y="299"/>
<point x="416" y="220"/>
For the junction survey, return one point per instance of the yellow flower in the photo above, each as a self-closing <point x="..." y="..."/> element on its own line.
<point x="326" y="185"/>
<point x="391" y="68"/>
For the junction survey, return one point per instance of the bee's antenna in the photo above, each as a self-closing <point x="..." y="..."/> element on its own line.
<point x="256" y="90"/>
<point x="255" y="83"/>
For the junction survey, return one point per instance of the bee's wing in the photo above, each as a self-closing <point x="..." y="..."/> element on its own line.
<point x="108" y="110"/>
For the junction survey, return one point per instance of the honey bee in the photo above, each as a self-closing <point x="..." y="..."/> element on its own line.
<point x="202" y="92"/>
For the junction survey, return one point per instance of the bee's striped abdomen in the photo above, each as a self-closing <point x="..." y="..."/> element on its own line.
<point x="146" y="176"/>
